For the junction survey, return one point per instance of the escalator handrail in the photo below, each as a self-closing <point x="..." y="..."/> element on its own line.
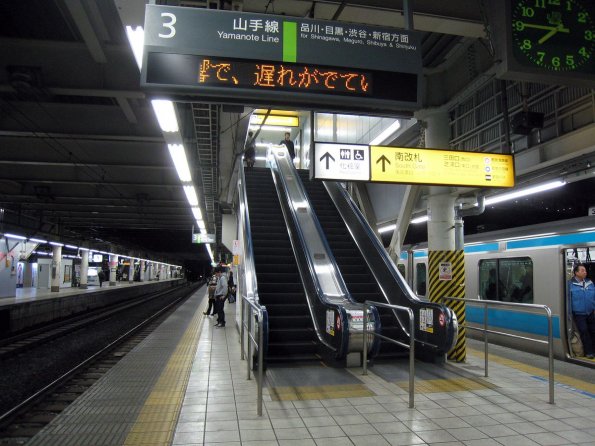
<point x="333" y="291"/>
<point x="338" y="194"/>
<point x="251" y="284"/>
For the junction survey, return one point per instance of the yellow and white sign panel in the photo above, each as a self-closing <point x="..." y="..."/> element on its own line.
<point x="447" y="167"/>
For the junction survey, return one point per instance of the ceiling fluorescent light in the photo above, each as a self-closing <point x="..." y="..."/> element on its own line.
<point x="386" y="133"/>
<point x="56" y="243"/>
<point x="275" y="120"/>
<point x="524" y="192"/>
<point x="387" y="229"/>
<point x="197" y="213"/>
<point x="202" y="226"/>
<point x="37" y="240"/>
<point x="71" y="246"/>
<point x="166" y="115"/>
<point x="419" y="219"/>
<point x="136" y="38"/>
<point x="178" y="155"/>
<point x="270" y="127"/>
<point x="191" y="195"/>
<point x="14" y="236"/>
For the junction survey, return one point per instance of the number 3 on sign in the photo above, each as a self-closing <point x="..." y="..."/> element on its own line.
<point x="169" y="25"/>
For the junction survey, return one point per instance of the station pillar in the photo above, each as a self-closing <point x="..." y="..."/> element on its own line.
<point x="446" y="263"/>
<point x="141" y="275"/>
<point x="84" y="269"/>
<point x="131" y="271"/>
<point x="56" y="268"/>
<point x="113" y="266"/>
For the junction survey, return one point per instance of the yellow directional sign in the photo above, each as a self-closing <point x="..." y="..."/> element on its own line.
<point x="446" y="167"/>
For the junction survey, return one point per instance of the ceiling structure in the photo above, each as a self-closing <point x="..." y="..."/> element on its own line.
<point x="82" y="154"/>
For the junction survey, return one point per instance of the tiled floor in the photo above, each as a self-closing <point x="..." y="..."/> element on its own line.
<point x="220" y="409"/>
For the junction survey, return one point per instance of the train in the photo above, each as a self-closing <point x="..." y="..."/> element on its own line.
<point x="528" y="264"/>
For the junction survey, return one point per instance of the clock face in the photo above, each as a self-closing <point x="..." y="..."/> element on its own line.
<point x="556" y="35"/>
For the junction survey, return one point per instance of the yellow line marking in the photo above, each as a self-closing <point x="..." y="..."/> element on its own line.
<point x="447" y="385"/>
<point x="157" y="420"/>
<point x="290" y="393"/>
<point x="573" y="382"/>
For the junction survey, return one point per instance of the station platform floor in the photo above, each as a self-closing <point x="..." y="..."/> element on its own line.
<point x="30" y="294"/>
<point x="185" y="384"/>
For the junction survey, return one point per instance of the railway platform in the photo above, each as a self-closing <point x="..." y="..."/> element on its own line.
<point x="186" y="385"/>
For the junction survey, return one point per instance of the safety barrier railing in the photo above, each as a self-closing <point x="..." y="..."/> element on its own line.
<point x="259" y="313"/>
<point x="411" y="346"/>
<point x="486" y="332"/>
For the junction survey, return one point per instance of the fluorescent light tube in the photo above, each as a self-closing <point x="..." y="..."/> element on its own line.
<point x="71" y="246"/>
<point x="197" y="213"/>
<point x="178" y="155"/>
<point x="386" y="133"/>
<point x="56" y="243"/>
<point x="387" y="228"/>
<point x="524" y="192"/>
<point x="271" y="128"/>
<point x="166" y="115"/>
<point x="37" y="240"/>
<point x="419" y="219"/>
<point x="191" y="195"/>
<point x="202" y="226"/>
<point x="14" y="236"/>
<point x="136" y="38"/>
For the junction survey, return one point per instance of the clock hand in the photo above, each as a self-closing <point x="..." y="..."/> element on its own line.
<point x="532" y="25"/>
<point x="552" y="32"/>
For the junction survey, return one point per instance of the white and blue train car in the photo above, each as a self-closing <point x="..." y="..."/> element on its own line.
<point x="529" y="264"/>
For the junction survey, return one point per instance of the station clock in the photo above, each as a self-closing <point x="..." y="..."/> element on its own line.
<point x="553" y="35"/>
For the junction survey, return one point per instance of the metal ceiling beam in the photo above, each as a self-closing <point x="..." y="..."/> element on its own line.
<point x="82" y="137"/>
<point x="70" y="165"/>
<point x="127" y="110"/>
<point x="29" y="180"/>
<point x="81" y="19"/>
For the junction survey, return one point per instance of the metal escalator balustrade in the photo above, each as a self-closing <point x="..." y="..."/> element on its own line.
<point x="373" y="276"/>
<point x="337" y="318"/>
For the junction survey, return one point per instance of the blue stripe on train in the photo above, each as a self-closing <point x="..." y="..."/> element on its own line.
<point x="566" y="239"/>
<point x="513" y="320"/>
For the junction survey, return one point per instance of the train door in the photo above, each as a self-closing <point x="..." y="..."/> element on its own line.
<point x="572" y="257"/>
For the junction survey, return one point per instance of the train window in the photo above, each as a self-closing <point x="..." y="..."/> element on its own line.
<point x="401" y="269"/>
<point x="507" y="279"/>
<point x="420" y="279"/>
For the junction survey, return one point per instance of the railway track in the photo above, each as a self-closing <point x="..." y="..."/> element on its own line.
<point x="19" y="424"/>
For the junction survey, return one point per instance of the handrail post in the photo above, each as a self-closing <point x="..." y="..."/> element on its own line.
<point x="260" y="365"/>
<point x="365" y="335"/>
<point x="243" y="310"/>
<point x="485" y="339"/>
<point x="411" y="359"/>
<point x="249" y="358"/>
<point x="550" y="341"/>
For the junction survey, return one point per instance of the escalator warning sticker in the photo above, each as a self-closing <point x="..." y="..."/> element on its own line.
<point x="330" y="322"/>
<point x="426" y="320"/>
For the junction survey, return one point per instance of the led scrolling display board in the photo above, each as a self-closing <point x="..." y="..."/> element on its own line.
<point x="261" y="59"/>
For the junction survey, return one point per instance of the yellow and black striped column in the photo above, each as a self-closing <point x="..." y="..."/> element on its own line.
<point x="446" y="274"/>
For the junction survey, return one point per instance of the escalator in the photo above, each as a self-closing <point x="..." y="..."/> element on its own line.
<point x="354" y="269"/>
<point x="292" y="336"/>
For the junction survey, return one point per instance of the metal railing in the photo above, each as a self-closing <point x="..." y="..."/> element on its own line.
<point x="497" y="303"/>
<point x="246" y="328"/>
<point x="411" y="346"/>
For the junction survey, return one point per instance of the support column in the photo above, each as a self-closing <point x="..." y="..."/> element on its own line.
<point x="131" y="271"/>
<point x="84" y="268"/>
<point x="56" y="268"/>
<point x="141" y="274"/>
<point x="113" y="266"/>
<point x="446" y="263"/>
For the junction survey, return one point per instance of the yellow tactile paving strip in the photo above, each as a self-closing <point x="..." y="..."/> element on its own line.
<point x="319" y="392"/>
<point x="446" y="385"/>
<point x="156" y="423"/>
<point x="536" y="371"/>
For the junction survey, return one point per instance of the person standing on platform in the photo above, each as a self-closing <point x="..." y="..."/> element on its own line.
<point x="250" y="150"/>
<point x="582" y="298"/>
<point x="211" y="310"/>
<point x="100" y="277"/>
<point x="289" y="144"/>
<point x="220" y="295"/>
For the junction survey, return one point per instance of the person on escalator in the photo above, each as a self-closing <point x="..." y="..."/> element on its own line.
<point x="289" y="144"/>
<point x="250" y="150"/>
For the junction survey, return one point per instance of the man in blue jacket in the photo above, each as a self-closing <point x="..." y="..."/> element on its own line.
<point x="582" y="299"/>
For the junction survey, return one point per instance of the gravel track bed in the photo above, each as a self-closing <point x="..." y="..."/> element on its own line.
<point x="23" y="375"/>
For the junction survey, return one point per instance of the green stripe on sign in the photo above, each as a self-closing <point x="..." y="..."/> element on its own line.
<point x="289" y="41"/>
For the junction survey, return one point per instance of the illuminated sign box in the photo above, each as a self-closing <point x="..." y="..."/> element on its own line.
<point x="258" y="59"/>
<point x="383" y="164"/>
